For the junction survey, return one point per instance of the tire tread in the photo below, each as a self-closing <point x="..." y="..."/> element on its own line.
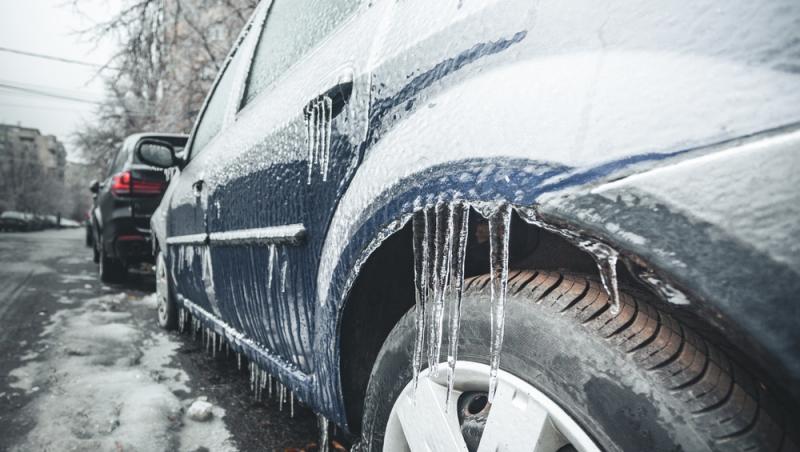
<point x="736" y="411"/>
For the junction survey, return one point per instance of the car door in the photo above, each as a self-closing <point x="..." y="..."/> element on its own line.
<point x="188" y="257"/>
<point x="290" y="152"/>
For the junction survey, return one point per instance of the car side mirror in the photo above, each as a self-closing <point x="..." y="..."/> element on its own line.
<point x="156" y="153"/>
<point x="94" y="187"/>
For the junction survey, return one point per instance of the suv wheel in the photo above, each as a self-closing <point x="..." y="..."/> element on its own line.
<point x="574" y="377"/>
<point x="167" y="311"/>
<point x="111" y="270"/>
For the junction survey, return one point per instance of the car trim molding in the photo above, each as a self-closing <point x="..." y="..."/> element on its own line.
<point x="284" y="234"/>
<point x="191" y="239"/>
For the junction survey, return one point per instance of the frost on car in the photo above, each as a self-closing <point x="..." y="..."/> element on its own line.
<point x="484" y="225"/>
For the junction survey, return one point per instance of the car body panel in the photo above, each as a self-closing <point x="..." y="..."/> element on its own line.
<point x="534" y="103"/>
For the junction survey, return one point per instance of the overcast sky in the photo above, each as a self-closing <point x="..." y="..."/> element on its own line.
<point x="50" y="27"/>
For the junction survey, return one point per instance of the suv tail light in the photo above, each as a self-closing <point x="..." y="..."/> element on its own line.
<point x="124" y="184"/>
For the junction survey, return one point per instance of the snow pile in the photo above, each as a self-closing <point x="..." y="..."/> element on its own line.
<point x="108" y="385"/>
<point x="200" y="411"/>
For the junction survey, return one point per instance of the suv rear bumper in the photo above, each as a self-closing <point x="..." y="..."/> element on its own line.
<point x="126" y="240"/>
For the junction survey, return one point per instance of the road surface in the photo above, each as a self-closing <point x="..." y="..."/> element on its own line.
<point x="84" y="366"/>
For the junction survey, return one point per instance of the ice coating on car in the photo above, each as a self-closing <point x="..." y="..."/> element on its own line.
<point x="537" y="101"/>
<point x="319" y="117"/>
<point x="604" y="256"/>
<point x="606" y="260"/>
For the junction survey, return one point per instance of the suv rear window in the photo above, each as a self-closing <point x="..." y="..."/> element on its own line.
<point x="293" y="28"/>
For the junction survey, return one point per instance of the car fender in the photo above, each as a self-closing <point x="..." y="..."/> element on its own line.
<point x="521" y="131"/>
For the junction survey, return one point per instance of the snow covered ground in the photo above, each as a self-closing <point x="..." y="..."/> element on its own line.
<point x="83" y="366"/>
<point x="101" y="382"/>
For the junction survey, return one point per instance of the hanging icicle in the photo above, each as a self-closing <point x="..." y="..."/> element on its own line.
<point x="442" y="248"/>
<point x="606" y="259"/>
<point x="324" y="432"/>
<point x="499" y="225"/>
<point x="460" y="227"/>
<point x="420" y="233"/>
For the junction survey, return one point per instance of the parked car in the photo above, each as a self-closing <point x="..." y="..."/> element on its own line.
<point x="617" y="183"/>
<point x="123" y="204"/>
<point x="13" y="221"/>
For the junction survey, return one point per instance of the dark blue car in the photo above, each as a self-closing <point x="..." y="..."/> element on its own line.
<point x="502" y="225"/>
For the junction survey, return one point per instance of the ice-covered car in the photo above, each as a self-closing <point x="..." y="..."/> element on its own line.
<point x="502" y="225"/>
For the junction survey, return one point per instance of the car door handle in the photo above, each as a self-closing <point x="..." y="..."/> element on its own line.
<point x="339" y="95"/>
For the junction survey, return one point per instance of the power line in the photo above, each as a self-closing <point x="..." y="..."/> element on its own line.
<point x="42" y="107"/>
<point x="46" y="94"/>
<point x="55" y="58"/>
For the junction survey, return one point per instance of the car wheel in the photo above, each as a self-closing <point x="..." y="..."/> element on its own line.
<point x="167" y="310"/>
<point x="111" y="270"/>
<point x="573" y="377"/>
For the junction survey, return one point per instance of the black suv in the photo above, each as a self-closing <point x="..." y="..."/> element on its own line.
<point x="123" y="204"/>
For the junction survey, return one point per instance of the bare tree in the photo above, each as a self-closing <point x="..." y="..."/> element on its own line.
<point x="170" y="52"/>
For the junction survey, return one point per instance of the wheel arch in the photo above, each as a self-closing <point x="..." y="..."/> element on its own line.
<point x="534" y="144"/>
<point x="372" y="286"/>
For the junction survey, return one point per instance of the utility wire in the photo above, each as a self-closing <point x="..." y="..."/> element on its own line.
<point x="46" y="94"/>
<point x="55" y="58"/>
<point x="43" y="107"/>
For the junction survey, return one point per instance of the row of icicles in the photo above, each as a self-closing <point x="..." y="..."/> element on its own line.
<point x="261" y="381"/>
<point x="440" y="234"/>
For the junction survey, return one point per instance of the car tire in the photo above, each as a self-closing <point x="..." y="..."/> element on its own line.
<point x="111" y="270"/>
<point x="166" y="308"/>
<point x="638" y="380"/>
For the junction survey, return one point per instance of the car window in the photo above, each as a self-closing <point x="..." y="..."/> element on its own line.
<point x="292" y="29"/>
<point x="119" y="161"/>
<point x="214" y="115"/>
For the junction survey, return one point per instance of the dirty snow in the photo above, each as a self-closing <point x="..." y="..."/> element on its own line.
<point x="101" y="382"/>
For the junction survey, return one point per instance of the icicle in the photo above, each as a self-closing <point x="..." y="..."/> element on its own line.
<point x="326" y="152"/>
<point x="252" y="378"/>
<point x="284" y="270"/>
<point x="270" y="267"/>
<point x="291" y="404"/>
<point x="460" y="230"/>
<point x="269" y="386"/>
<point x="214" y="344"/>
<point x="281" y="395"/>
<point x="606" y="259"/>
<point x="420" y="232"/>
<point x="310" y="140"/>
<point x="442" y="248"/>
<point x="316" y="134"/>
<point x="324" y="428"/>
<point x="239" y="360"/>
<point x="499" y="224"/>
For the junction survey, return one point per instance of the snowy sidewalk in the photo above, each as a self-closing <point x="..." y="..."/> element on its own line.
<point x="102" y="382"/>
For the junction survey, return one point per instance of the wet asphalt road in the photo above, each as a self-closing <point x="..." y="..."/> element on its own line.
<point x="38" y="268"/>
